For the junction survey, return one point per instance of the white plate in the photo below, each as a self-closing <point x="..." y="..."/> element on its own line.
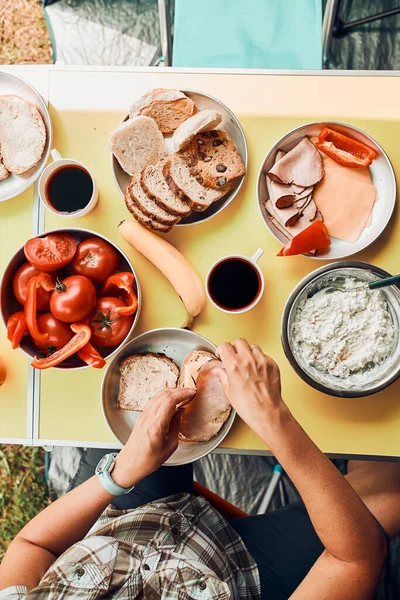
<point x="16" y="184"/>
<point x="233" y="128"/>
<point x="176" y="344"/>
<point x="382" y="175"/>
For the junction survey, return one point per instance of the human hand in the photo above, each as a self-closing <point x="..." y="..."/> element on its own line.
<point x="251" y="382"/>
<point x="154" y="437"/>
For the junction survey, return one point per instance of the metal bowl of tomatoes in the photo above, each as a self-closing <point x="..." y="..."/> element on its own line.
<point x="69" y="299"/>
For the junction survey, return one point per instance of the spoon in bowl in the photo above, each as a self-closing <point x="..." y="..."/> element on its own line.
<point x="372" y="285"/>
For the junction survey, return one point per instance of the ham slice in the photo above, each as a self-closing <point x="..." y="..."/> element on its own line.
<point x="287" y="216"/>
<point x="302" y="166"/>
<point x="310" y="213"/>
<point x="207" y="412"/>
<point x="345" y="202"/>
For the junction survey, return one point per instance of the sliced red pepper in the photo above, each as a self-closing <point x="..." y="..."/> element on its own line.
<point x="80" y="339"/>
<point x="345" y="150"/>
<point x="122" y="284"/>
<point x="90" y="356"/>
<point x="44" y="281"/>
<point x="16" y="328"/>
<point x="315" y="237"/>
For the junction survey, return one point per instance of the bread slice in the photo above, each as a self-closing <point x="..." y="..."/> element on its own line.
<point x="213" y="159"/>
<point x="205" y="120"/>
<point x="22" y="134"/>
<point x="177" y="175"/>
<point x="142" y="218"/>
<point x="142" y="377"/>
<point x="3" y="171"/>
<point x="137" y="143"/>
<point x="169" y="108"/>
<point x="147" y="205"/>
<point x="156" y="187"/>
<point x="191" y="367"/>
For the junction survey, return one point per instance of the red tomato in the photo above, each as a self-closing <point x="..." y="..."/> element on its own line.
<point x="95" y="258"/>
<point x="23" y="274"/>
<point x="52" y="252"/>
<point x="108" y="328"/>
<point x="73" y="299"/>
<point x="59" y="333"/>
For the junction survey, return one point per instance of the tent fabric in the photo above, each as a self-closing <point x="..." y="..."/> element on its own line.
<point x="264" y="34"/>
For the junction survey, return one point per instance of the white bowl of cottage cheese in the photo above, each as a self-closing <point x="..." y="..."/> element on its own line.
<point x="344" y="343"/>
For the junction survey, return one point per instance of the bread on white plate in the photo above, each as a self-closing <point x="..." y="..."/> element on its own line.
<point x="142" y="377"/>
<point x="169" y="108"/>
<point x="137" y="143"/>
<point x="177" y="175"/>
<point x="22" y="134"/>
<point x="3" y="171"/>
<point x="205" y="120"/>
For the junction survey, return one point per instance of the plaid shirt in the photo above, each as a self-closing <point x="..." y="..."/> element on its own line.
<point x="176" y="548"/>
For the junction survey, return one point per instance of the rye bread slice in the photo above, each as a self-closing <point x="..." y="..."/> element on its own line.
<point x="156" y="187"/>
<point x="22" y="134"/>
<point x="142" y="377"/>
<point x="178" y="177"/>
<point x="142" y="218"/>
<point x="169" y="108"/>
<point x="213" y="159"/>
<point x="148" y="205"/>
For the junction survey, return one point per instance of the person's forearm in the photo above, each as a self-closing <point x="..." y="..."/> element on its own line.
<point x="67" y="520"/>
<point x="340" y="518"/>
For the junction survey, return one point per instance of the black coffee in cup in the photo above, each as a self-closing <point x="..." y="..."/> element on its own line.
<point x="234" y="284"/>
<point x="69" y="188"/>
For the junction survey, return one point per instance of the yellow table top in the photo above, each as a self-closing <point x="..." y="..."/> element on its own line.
<point x="86" y="106"/>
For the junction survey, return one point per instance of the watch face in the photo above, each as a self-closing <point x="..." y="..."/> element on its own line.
<point x="102" y="464"/>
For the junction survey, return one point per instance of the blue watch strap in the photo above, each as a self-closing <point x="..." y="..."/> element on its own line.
<point x="103" y="472"/>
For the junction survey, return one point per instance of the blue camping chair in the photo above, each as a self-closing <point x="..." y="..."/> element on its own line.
<point x="260" y="34"/>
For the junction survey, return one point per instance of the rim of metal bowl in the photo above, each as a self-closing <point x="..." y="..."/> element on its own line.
<point x="228" y="423"/>
<point x="349" y="264"/>
<point x="49" y="141"/>
<point x="245" y="159"/>
<point x="324" y="123"/>
<point x="139" y="295"/>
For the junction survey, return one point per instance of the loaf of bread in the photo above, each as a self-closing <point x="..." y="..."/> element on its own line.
<point x="155" y="185"/>
<point x="142" y="377"/>
<point x="134" y="195"/>
<point x="213" y="159"/>
<point x="137" y="143"/>
<point x="205" y="120"/>
<point x="169" y="108"/>
<point x="22" y="134"/>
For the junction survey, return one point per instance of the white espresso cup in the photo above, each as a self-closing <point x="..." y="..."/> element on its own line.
<point x="58" y="163"/>
<point x="229" y="288"/>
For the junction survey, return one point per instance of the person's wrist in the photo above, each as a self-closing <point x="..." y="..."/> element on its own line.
<point x="124" y="474"/>
<point x="272" y="420"/>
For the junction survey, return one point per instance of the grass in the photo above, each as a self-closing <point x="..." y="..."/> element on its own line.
<point x="24" y="37"/>
<point x="23" y="490"/>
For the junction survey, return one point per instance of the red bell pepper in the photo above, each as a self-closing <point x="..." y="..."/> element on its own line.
<point x="345" y="150"/>
<point x="16" y="328"/>
<point x="122" y="284"/>
<point x="315" y="237"/>
<point x="90" y="356"/>
<point x="80" y="339"/>
<point x="44" y="281"/>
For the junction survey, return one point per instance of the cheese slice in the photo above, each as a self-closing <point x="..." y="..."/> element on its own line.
<point x="345" y="203"/>
<point x="191" y="374"/>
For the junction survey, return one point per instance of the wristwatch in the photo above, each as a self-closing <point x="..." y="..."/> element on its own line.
<point x="103" y="472"/>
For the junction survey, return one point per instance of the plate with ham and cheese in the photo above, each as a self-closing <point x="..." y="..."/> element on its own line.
<point x="326" y="190"/>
